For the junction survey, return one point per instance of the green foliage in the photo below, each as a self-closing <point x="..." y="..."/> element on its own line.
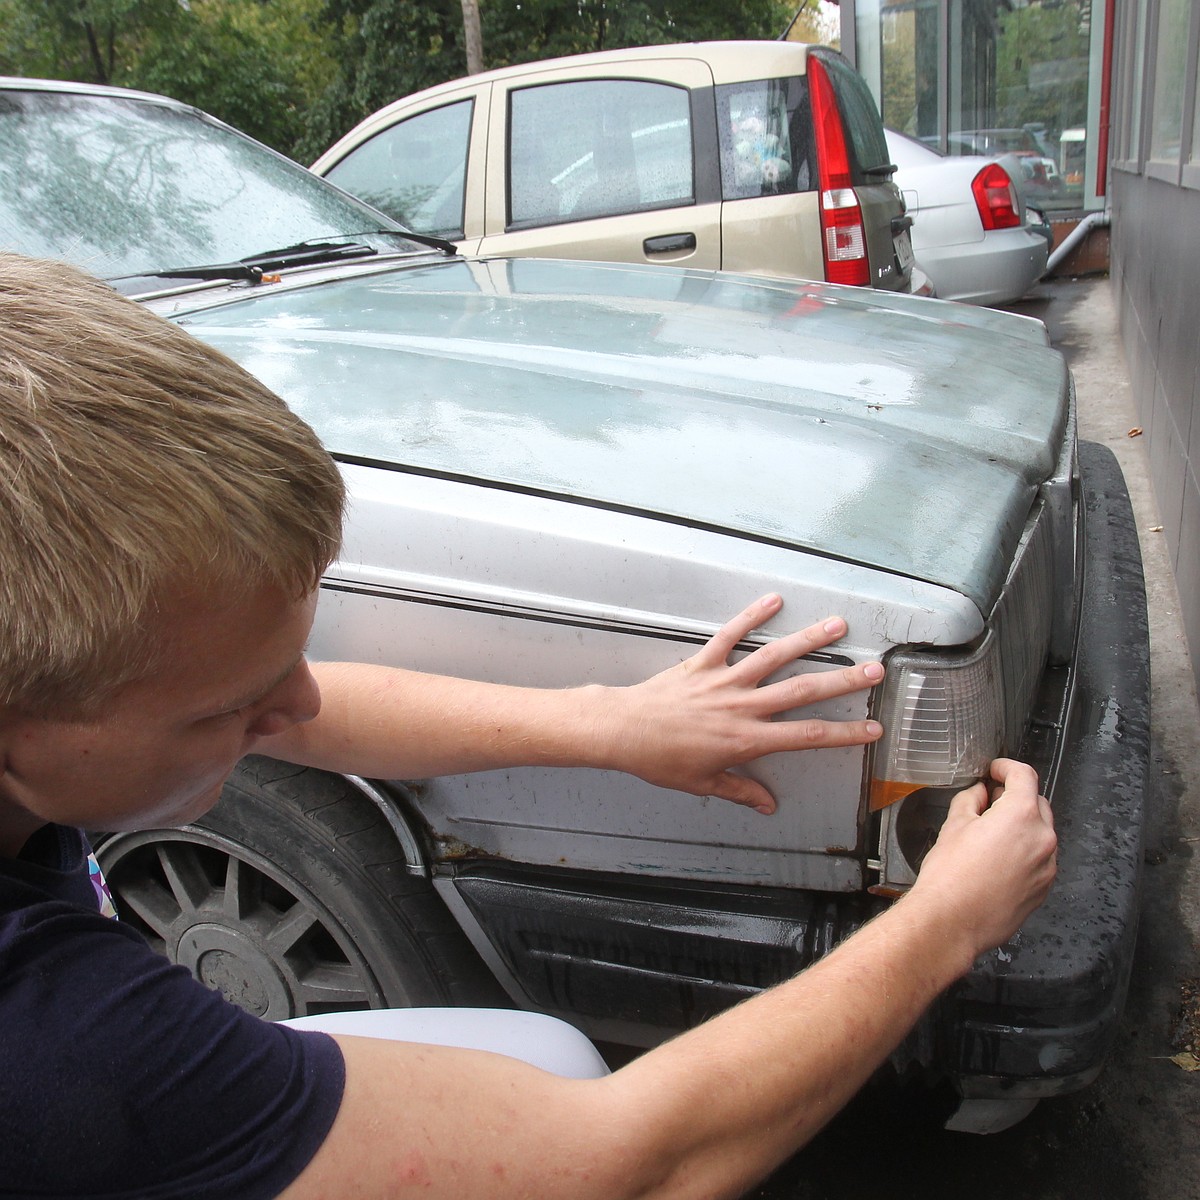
<point x="253" y="63"/>
<point x="257" y="65"/>
<point x="1042" y="65"/>
<point x="384" y="49"/>
<point x="94" y="41"/>
<point x="390" y="48"/>
<point x="534" y="29"/>
<point x="298" y="73"/>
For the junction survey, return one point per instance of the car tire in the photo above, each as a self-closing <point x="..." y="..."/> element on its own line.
<point x="292" y="898"/>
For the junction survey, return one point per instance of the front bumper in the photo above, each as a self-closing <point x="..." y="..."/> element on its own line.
<point x="635" y="960"/>
<point x="1037" y="1016"/>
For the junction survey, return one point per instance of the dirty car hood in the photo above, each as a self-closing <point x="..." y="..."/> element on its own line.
<point x="904" y="434"/>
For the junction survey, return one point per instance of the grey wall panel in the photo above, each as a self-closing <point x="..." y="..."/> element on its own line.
<point x="1156" y="277"/>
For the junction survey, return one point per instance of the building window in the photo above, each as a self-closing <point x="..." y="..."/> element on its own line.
<point x="909" y="69"/>
<point x="1129" y="148"/>
<point x="1170" y="80"/>
<point x="1196" y="120"/>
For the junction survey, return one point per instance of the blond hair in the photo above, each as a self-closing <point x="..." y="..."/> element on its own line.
<point x="134" y="460"/>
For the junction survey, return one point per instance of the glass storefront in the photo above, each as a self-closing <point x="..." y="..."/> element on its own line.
<point x="987" y="77"/>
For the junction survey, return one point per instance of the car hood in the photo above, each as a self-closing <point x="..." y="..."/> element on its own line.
<point x="905" y="434"/>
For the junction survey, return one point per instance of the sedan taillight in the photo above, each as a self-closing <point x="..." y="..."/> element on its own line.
<point x="996" y="198"/>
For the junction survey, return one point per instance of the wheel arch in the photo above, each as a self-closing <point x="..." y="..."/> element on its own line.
<point x="291" y="848"/>
<point x="415" y="861"/>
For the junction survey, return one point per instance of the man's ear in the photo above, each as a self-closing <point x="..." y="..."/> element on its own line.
<point x="17" y="824"/>
<point x="9" y="722"/>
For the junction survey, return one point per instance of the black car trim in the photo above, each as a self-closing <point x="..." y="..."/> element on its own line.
<point x="1061" y="981"/>
<point x="706" y="163"/>
<point x="625" y="956"/>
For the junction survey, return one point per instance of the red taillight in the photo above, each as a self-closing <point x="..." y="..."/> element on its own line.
<point x="843" y="239"/>
<point x="996" y="198"/>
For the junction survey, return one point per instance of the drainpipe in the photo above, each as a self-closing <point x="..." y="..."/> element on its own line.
<point x="1096" y="220"/>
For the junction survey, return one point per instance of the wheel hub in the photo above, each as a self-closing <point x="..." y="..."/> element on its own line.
<point x="233" y="963"/>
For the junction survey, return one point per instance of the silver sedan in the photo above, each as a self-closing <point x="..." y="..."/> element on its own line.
<point x="971" y="227"/>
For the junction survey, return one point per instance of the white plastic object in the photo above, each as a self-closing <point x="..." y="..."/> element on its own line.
<point x="535" y="1038"/>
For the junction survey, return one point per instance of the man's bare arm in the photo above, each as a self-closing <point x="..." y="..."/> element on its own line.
<point x="684" y="728"/>
<point x="711" y="1112"/>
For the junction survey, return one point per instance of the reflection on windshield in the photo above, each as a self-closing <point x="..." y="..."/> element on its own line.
<point x="121" y="186"/>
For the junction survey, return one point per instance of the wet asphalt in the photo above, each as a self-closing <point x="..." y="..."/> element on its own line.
<point x="1135" y="1133"/>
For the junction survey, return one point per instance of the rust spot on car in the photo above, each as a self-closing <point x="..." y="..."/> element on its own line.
<point x="452" y="850"/>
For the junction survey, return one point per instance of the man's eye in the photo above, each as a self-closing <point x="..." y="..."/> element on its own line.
<point x="232" y="713"/>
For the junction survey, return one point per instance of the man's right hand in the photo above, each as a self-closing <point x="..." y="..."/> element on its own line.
<point x="710" y="1112"/>
<point x="994" y="861"/>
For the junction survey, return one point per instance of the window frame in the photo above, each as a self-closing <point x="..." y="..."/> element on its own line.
<point x="1182" y="170"/>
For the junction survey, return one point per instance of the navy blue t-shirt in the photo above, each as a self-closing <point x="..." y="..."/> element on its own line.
<point x="123" y="1078"/>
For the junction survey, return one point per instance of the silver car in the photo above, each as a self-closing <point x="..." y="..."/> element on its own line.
<point x="565" y="471"/>
<point x="972" y="233"/>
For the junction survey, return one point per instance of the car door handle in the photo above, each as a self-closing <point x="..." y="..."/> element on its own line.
<point x="900" y="224"/>
<point x="669" y="242"/>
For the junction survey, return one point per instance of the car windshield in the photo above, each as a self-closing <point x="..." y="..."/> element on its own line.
<point x="125" y="186"/>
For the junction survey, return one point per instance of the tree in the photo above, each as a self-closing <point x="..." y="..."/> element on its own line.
<point x="93" y="41"/>
<point x="472" y="36"/>
<point x="816" y="22"/>
<point x="390" y="48"/>
<point x="254" y="63"/>
<point x="1042" y="65"/>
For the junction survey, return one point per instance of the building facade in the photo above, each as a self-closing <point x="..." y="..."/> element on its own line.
<point x="1155" y="255"/>
<point x="1105" y="94"/>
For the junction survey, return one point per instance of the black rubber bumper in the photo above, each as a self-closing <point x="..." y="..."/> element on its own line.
<point x="1038" y="1016"/>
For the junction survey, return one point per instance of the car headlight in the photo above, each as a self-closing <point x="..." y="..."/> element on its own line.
<point x="944" y="720"/>
<point x="943" y="717"/>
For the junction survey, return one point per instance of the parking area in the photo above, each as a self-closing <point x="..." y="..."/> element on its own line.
<point x="1135" y="1134"/>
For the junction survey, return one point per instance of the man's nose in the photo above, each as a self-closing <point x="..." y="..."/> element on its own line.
<point x="296" y="700"/>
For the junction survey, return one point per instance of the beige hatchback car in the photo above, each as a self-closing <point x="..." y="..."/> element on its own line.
<point x="761" y="157"/>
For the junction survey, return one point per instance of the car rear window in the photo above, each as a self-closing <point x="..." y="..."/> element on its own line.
<point x="765" y="132"/>
<point x="860" y="116"/>
<point x="597" y="148"/>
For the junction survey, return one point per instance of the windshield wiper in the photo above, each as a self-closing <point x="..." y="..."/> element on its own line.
<point x="302" y="252"/>
<point x="423" y="239"/>
<point x="882" y="169"/>
<point x="253" y="266"/>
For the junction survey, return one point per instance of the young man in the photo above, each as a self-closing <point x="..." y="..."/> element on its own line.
<point x="164" y="521"/>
